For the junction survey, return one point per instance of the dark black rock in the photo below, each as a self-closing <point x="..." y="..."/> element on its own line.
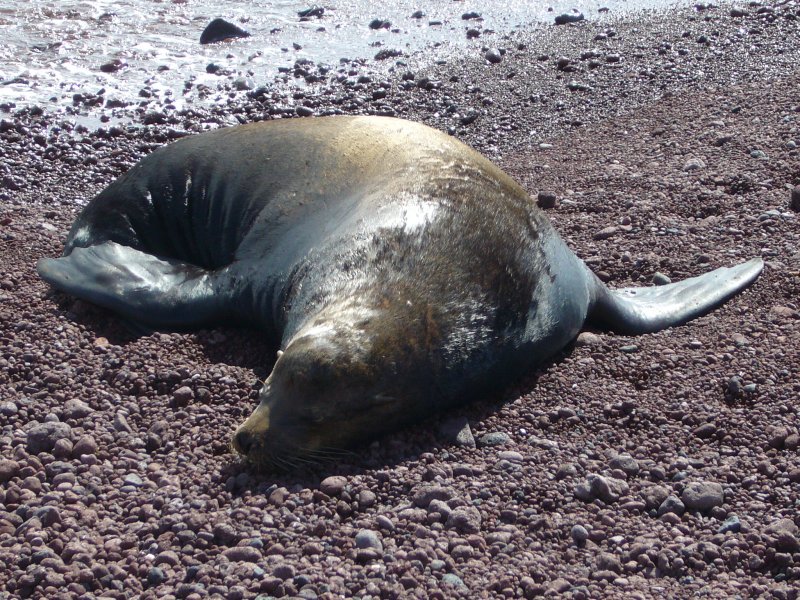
<point x="379" y="24"/>
<point x="546" y="200"/>
<point x="113" y="66"/>
<point x="493" y="55"/>
<point x="314" y="11"/>
<point x="220" y="30"/>
<point x="155" y="577"/>
<point x="794" y="202"/>
<point x="469" y="118"/>
<point x="154" y="118"/>
<point x="388" y="53"/>
<point x="569" y="18"/>
<point x="734" y="388"/>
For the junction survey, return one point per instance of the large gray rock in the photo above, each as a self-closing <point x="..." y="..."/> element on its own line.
<point x="703" y="495"/>
<point x="42" y="437"/>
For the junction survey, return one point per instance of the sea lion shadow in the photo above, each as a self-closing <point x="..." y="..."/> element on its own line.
<point x="103" y="323"/>
<point x="239" y="347"/>
<point x="434" y="435"/>
<point x="229" y="345"/>
<point x="250" y="350"/>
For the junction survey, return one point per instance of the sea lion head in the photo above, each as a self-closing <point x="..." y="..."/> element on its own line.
<point x="341" y="380"/>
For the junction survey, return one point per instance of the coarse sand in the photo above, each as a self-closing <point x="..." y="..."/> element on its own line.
<point x="664" y="465"/>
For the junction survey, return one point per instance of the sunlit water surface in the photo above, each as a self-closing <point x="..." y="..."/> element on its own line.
<point x="52" y="50"/>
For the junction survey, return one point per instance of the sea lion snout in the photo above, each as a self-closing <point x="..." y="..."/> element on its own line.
<point x="252" y="433"/>
<point x="243" y="441"/>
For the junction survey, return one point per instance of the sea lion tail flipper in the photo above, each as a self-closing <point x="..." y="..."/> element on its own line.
<point x="148" y="290"/>
<point x="647" y="309"/>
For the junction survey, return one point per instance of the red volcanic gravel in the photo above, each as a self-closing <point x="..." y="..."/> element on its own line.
<point x="664" y="465"/>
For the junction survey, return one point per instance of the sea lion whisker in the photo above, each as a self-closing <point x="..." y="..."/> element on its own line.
<point x="384" y="398"/>
<point x="331" y="452"/>
<point x="269" y="462"/>
<point x="307" y="460"/>
<point x="318" y="457"/>
<point x="289" y="463"/>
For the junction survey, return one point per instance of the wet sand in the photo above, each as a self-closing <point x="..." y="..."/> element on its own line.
<point x="663" y="465"/>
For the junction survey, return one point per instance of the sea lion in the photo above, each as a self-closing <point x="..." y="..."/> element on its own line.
<point x="398" y="271"/>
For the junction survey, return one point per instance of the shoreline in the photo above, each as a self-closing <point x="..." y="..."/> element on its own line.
<point x="656" y="169"/>
<point x="549" y="83"/>
<point x="135" y="55"/>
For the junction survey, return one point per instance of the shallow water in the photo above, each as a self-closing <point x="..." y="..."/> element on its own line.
<point x="52" y="50"/>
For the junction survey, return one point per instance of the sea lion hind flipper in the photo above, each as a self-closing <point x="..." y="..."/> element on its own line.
<point x="149" y="291"/>
<point x="648" y="309"/>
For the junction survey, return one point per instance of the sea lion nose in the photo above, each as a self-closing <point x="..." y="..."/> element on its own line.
<point x="243" y="441"/>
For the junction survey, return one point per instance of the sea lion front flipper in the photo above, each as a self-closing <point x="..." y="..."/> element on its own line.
<point x="148" y="290"/>
<point x="647" y="309"/>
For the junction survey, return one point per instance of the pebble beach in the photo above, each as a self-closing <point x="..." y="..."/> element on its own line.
<point x="661" y="145"/>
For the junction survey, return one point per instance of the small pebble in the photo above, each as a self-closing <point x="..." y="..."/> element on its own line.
<point x="333" y="485"/>
<point x="661" y="279"/>
<point x="731" y="524"/>
<point x="155" y="577"/>
<point x="579" y="535"/>
<point x="496" y="438"/>
<point x="493" y="55"/>
<point x="366" y="538"/>
<point x="243" y="554"/>
<point x="76" y="409"/>
<point x="672" y="504"/>
<point x="457" y="431"/>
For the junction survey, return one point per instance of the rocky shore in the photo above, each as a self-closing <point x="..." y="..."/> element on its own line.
<point x="664" y="465"/>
